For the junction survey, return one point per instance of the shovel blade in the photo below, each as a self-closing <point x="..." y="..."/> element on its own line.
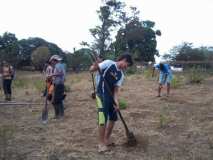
<point x="44" y="116"/>
<point x="131" y="139"/>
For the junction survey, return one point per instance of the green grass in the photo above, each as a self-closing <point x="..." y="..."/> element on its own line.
<point x="20" y="83"/>
<point x="39" y="85"/>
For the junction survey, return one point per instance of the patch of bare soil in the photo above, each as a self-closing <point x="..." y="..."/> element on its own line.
<point x="179" y="127"/>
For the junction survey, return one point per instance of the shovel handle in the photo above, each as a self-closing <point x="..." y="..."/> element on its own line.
<point x="93" y="82"/>
<point x="124" y="123"/>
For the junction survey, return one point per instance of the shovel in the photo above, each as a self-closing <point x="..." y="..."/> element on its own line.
<point x="131" y="140"/>
<point x="93" y="84"/>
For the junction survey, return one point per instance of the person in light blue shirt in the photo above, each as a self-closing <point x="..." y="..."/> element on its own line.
<point x="58" y="81"/>
<point x="165" y="77"/>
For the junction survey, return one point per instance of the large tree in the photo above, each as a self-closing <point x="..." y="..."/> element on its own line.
<point x="9" y="48"/>
<point x="137" y="37"/>
<point x="79" y="59"/>
<point x="109" y="15"/>
<point x="186" y="52"/>
<point x="27" y="46"/>
<point x="39" y="57"/>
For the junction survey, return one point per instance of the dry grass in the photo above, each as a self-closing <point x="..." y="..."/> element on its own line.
<point x="178" y="127"/>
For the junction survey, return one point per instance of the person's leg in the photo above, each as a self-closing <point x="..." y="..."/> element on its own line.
<point x="102" y="119"/>
<point x="9" y="91"/>
<point x="108" y="132"/>
<point x="55" y="101"/>
<point x="56" y="108"/>
<point x="5" y="88"/>
<point x="101" y="130"/>
<point x="61" y="109"/>
<point x="169" y="79"/>
<point x="168" y="89"/>
<point x="111" y="122"/>
<point x="161" y="82"/>
<point x="59" y="90"/>
<point x="159" y="90"/>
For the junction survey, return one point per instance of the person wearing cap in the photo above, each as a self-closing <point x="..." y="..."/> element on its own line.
<point x="111" y="79"/>
<point x="7" y="72"/>
<point x="165" y="76"/>
<point x="48" y="72"/>
<point x="58" y="81"/>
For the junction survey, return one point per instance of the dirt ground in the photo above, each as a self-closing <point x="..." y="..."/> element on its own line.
<point x="179" y="127"/>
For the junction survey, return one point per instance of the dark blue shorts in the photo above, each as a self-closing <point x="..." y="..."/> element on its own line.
<point x="108" y="108"/>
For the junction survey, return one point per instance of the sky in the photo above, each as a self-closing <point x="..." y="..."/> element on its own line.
<point x="67" y="22"/>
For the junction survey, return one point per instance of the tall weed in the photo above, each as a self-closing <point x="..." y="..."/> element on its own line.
<point x="177" y="81"/>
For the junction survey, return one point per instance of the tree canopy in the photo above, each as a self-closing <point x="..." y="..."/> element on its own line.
<point x="19" y="52"/>
<point x="186" y="52"/>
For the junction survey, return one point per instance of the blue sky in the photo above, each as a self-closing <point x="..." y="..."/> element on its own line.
<point x="67" y="22"/>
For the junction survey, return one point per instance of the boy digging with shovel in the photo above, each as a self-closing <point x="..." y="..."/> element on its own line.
<point x="112" y="73"/>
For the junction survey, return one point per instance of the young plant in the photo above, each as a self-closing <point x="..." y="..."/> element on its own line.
<point x="122" y="104"/>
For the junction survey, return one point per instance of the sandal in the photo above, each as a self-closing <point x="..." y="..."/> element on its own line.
<point x="112" y="144"/>
<point x="102" y="148"/>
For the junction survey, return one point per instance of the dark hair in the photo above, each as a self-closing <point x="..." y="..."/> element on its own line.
<point x="161" y="66"/>
<point x="127" y="57"/>
<point x="101" y="57"/>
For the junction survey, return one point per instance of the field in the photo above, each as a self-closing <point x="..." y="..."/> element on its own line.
<point x="179" y="127"/>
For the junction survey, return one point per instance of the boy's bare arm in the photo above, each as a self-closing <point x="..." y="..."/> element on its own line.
<point x="94" y="67"/>
<point x="116" y="92"/>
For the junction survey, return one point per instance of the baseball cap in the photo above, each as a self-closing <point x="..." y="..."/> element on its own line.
<point x="55" y="57"/>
